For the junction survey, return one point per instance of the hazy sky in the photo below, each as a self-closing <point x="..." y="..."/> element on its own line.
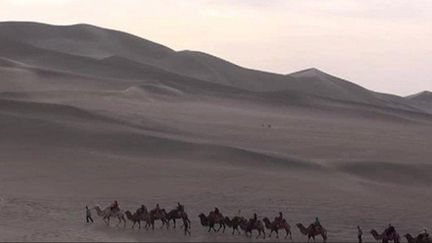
<point x="384" y="45"/>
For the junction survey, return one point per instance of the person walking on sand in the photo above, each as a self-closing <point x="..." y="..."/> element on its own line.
<point x="359" y="234"/>
<point x="88" y="215"/>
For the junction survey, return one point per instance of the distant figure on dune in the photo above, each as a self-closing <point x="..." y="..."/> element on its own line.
<point x="359" y="234"/>
<point x="88" y="215"/>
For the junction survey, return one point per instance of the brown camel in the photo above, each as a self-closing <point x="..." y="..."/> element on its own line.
<point x="234" y="223"/>
<point x="421" y="238"/>
<point x="146" y="217"/>
<point x="249" y="226"/>
<point x="107" y="213"/>
<point x="312" y="231"/>
<point x="177" y="213"/>
<point x="211" y="220"/>
<point x="160" y="215"/>
<point x="134" y="218"/>
<point x="384" y="237"/>
<point x="276" y="226"/>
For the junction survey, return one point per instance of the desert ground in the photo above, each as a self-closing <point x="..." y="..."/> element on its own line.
<point x="86" y="119"/>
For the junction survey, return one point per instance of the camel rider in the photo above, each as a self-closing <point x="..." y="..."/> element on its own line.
<point x="317" y="222"/>
<point x="180" y="207"/>
<point x="390" y="230"/>
<point x="239" y="213"/>
<point x="216" y="211"/>
<point x="254" y="219"/>
<point x="157" y="209"/>
<point x="316" y="225"/>
<point x="141" y="209"/>
<point x="114" y="206"/>
<point x="279" y="219"/>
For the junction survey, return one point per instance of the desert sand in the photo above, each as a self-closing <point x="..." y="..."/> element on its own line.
<point x="90" y="115"/>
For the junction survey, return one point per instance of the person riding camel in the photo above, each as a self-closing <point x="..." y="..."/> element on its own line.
<point x="114" y="206"/>
<point x="317" y="224"/>
<point x="254" y="220"/>
<point x="157" y="209"/>
<point x="180" y="207"/>
<point x="216" y="211"/>
<point x="141" y="210"/>
<point x="390" y="230"/>
<point x="279" y="220"/>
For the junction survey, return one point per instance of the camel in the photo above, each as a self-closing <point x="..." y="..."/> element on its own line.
<point x="176" y="213"/>
<point x="421" y="238"/>
<point x="107" y="213"/>
<point x="234" y="223"/>
<point x="249" y="226"/>
<point x="275" y="227"/>
<point x="312" y="231"/>
<point x="146" y="217"/>
<point x="134" y="218"/>
<point x="384" y="237"/>
<point x="211" y="220"/>
<point x="161" y="215"/>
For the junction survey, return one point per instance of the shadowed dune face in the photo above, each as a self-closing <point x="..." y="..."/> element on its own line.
<point x="89" y="115"/>
<point x="403" y="174"/>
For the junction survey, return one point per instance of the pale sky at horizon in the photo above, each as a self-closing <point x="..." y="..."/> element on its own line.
<point x="383" y="45"/>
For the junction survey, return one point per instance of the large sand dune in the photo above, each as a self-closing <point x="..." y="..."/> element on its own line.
<point x="89" y="115"/>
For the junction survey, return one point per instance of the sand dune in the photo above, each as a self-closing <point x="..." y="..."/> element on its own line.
<point x="75" y="49"/>
<point x="403" y="174"/>
<point x="89" y="115"/>
<point x="83" y="39"/>
<point x="18" y="77"/>
<point x="422" y="99"/>
<point x="99" y="43"/>
<point x="424" y="96"/>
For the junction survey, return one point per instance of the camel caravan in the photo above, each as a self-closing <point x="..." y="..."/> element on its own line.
<point x="143" y="215"/>
<point x="215" y="221"/>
